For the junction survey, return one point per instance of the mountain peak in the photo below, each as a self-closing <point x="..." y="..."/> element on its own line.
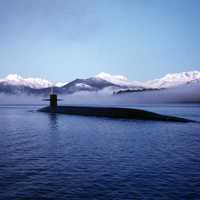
<point x="15" y="79"/>
<point x="169" y="80"/>
<point x="191" y="75"/>
<point x="116" y="79"/>
<point x="174" y="79"/>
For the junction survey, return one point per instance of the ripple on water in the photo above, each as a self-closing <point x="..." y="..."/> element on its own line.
<point x="71" y="157"/>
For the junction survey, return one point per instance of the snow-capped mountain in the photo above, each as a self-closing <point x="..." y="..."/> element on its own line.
<point x="168" y="81"/>
<point x="116" y="79"/>
<point x="174" y="80"/>
<point x="90" y="84"/>
<point x="17" y="80"/>
<point x="119" y="80"/>
<point x="15" y="84"/>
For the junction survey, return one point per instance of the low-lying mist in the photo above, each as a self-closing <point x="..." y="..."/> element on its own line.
<point x="186" y="94"/>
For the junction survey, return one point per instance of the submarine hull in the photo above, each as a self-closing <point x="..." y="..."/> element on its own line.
<point x="112" y="112"/>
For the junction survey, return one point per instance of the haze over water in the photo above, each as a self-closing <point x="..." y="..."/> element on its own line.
<point x="45" y="156"/>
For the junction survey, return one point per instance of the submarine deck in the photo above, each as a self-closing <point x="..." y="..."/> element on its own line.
<point x="112" y="112"/>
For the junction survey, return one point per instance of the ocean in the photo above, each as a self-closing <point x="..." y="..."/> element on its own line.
<point x="61" y="157"/>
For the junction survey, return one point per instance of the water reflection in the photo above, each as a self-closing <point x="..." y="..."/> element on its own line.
<point x="53" y="136"/>
<point x="53" y="122"/>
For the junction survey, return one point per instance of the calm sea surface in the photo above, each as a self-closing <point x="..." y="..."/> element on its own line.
<point x="45" y="156"/>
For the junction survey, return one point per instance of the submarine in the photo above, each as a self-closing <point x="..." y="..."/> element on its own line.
<point x="109" y="112"/>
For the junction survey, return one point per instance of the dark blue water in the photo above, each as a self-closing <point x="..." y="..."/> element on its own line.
<point x="57" y="157"/>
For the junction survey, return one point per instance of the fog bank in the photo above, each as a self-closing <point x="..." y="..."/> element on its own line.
<point x="186" y="94"/>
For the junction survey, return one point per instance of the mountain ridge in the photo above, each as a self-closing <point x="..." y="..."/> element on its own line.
<point x="16" y="84"/>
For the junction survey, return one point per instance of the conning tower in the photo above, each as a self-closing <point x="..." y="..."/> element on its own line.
<point x="53" y="101"/>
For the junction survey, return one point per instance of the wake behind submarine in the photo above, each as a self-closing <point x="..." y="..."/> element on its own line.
<point x="111" y="112"/>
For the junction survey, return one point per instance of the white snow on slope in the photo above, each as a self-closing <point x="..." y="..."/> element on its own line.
<point x="112" y="78"/>
<point x="14" y="79"/>
<point x="60" y="84"/>
<point x="118" y="79"/>
<point x="168" y="81"/>
<point x="37" y="83"/>
<point x="174" y="80"/>
<point x="82" y="85"/>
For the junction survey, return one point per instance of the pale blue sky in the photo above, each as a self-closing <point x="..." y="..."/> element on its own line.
<point x="64" y="39"/>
